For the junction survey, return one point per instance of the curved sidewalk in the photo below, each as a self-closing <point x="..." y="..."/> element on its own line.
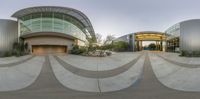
<point x="114" y="83"/>
<point x="21" y="75"/>
<point x="72" y="81"/>
<point x="100" y="63"/>
<point x="149" y="88"/>
<point x="97" y="74"/>
<point x="181" y="64"/>
<point x="123" y="80"/>
<point x="175" y="76"/>
<point x="16" y="61"/>
<point x="46" y="86"/>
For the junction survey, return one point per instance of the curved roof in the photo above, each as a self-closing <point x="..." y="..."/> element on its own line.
<point x="65" y="10"/>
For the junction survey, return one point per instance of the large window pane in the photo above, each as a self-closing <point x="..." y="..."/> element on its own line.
<point x="52" y="22"/>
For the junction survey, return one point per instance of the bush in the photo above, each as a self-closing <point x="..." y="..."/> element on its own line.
<point x="20" y="49"/>
<point x="82" y="49"/>
<point x="120" y="46"/>
<point x="107" y="47"/>
<point x="196" y="53"/>
<point x="183" y="53"/>
<point x="1" y="54"/>
<point x="108" y="53"/>
<point x="78" y="50"/>
<point x="7" y="54"/>
<point x="91" y="48"/>
<point x="190" y="53"/>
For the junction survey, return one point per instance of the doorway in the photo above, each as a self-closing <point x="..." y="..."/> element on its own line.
<point x="48" y="49"/>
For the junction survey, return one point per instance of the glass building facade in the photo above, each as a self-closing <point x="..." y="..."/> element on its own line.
<point x="52" y="29"/>
<point x="52" y="22"/>
<point x="173" y="31"/>
<point x="173" y="38"/>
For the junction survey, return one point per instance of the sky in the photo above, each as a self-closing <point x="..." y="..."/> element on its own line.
<point x="119" y="17"/>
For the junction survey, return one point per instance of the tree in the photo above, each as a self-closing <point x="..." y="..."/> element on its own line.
<point x="107" y="44"/>
<point x="152" y="46"/>
<point x="109" y="39"/>
<point x="99" y="38"/>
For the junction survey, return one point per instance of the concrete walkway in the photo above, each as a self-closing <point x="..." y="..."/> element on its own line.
<point x="78" y="82"/>
<point x="73" y="81"/>
<point x="175" y="76"/>
<point x="149" y="88"/>
<point x="20" y="75"/>
<point x="98" y="74"/>
<point x="47" y="86"/>
<point x="184" y="61"/>
<point x="100" y="63"/>
<point x="181" y="63"/>
<point x="124" y="79"/>
<point x="12" y="61"/>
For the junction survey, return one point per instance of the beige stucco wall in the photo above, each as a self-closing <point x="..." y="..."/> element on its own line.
<point x="49" y="40"/>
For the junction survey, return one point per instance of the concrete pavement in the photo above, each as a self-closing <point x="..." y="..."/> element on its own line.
<point x="103" y="81"/>
<point x="175" y="76"/>
<point x="149" y="87"/>
<point x="184" y="61"/>
<point x="47" y="86"/>
<point x="20" y="75"/>
<point x="100" y="63"/>
<point x="97" y="73"/>
<point x="73" y="81"/>
<point x="124" y="79"/>
<point x="12" y="61"/>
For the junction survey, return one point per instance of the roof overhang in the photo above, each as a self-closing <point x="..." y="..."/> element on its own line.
<point x="149" y="32"/>
<point x="37" y="34"/>
<point x="150" y="36"/>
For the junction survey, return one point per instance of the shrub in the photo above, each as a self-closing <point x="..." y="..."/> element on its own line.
<point x="82" y="49"/>
<point x="77" y="50"/>
<point x="7" y="54"/>
<point x="91" y="48"/>
<point x="183" y="53"/>
<point x="190" y="53"/>
<point x="120" y="46"/>
<point x="20" y="49"/>
<point x="108" y="53"/>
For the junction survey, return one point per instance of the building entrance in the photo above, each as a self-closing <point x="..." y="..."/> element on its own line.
<point x="48" y="49"/>
<point x="150" y="41"/>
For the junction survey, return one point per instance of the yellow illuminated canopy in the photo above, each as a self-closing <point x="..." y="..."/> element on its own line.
<point x="150" y="36"/>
